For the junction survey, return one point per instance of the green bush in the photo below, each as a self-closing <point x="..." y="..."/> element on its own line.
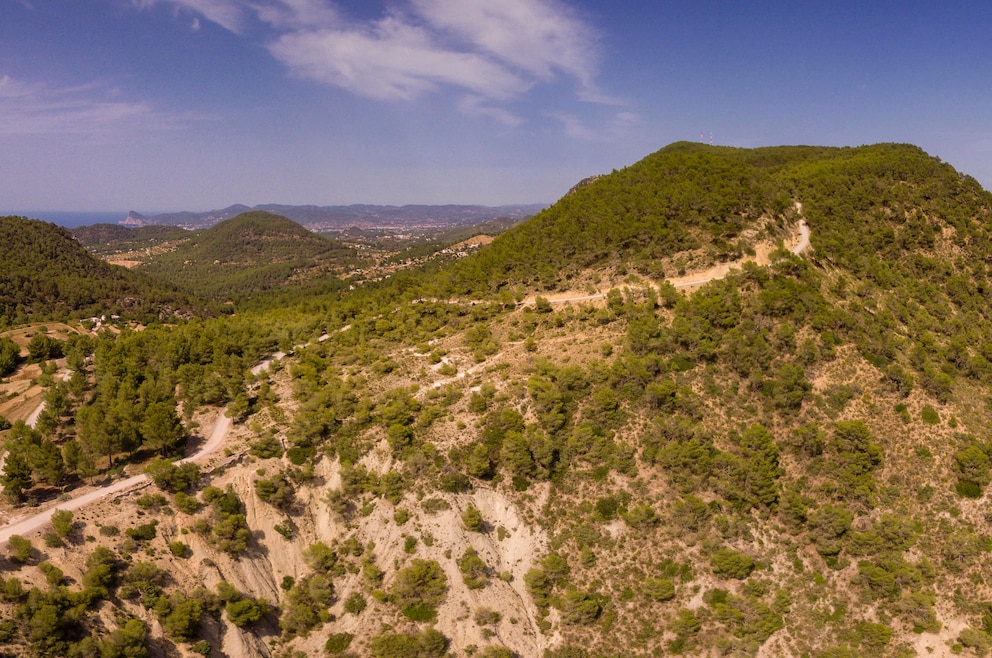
<point x="423" y="582"/>
<point x="475" y="573"/>
<point x="929" y="415"/>
<point x="179" y="549"/>
<point x="355" y="603"/>
<point x="172" y="478"/>
<point x="144" y="532"/>
<point x="338" y="643"/>
<point x="496" y="651"/>
<point x="728" y="563"/>
<point x="62" y="522"/>
<point x="428" y="643"/>
<point x="20" y="548"/>
<point x="977" y="639"/>
<point x="538" y="586"/>
<point x="246" y="611"/>
<point x="151" y="501"/>
<point x="472" y="519"/>
<point x="187" y="504"/>
<point x="578" y="607"/>
<point x="974" y="470"/>
<point x="659" y="589"/>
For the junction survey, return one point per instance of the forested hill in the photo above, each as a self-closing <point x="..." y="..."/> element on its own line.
<point x="125" y="237"/>
<point x="791" y="460"/>
<point x="690" y="196"/>
<point x="45" y="273"/>
<point x="251" y="254"/>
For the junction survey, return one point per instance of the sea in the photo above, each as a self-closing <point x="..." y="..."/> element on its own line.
<point x="72" y="219"/>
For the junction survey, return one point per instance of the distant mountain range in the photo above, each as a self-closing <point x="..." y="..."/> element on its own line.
<point x="340" y="217"/>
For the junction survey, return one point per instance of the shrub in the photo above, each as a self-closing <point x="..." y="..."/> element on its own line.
<point x="62" y="522"/>
<point x="929" y="415"/>
<point x="429" y="643"/>
<point x="266" y="447"/>
<point x="187" y="504"/>
<point x="578" y="607"/>
<point x="320" y="557"/>
<point x="151" y="501"/>
<point x="179" y="549"/>
<point x="474" y="569"/>
<point x="873" y="636"/>
<point x="232" y="534"/>
<point x="144" y="532"/>
<point x="434" y="505"/>
<point x="496" y="651"/>
<point x="729" y="563"/>
<point x="276" y="491"/>
<point x="659" y="589"/>
<point x="977" y="639"/>
<point x="641" y="516"/>
<point x="472" y="519"/>
<point x="487" y="617"/>
<point x="827" y="527"/>
<point x="538" y="586"/>
<point x="972" y="466"/>
<point x="20" y="548"/>
<point x="100" y="574"/>
<point x="306" y="604"/>
<point x="355" y="603"/>
<point x="246" y="611"/>
<point x="423" y="582"/>
<point x="338" y="643"/>
<point x="180" y="616"/>
<point x="170" y="477"/>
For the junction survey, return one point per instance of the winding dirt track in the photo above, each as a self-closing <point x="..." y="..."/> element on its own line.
<point x="223" y="425"/>
<point x="29" y="524"/>
<point x="684" y="282"/>
<point x="221" y="429"/>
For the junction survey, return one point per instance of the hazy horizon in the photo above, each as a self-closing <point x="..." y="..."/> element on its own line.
<point x="108" y="104"/>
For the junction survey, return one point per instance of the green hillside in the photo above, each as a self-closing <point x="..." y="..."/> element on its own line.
<point x="125" y="237"/>
<point x="792" y="459"/>
<point x="46" y="274"/>
<point x="690" y="196"/>
<point x="252" y="255"/>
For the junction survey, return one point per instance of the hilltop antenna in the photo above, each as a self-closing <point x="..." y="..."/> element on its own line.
<point x="711" y="138"/>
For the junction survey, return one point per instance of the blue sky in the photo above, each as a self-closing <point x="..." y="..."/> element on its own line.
<point x="161" y="105"/>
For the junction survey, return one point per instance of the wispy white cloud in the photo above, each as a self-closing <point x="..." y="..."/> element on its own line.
<point x="606" y="131"/>
<point x="474" y="105"/>
<point x="392" y="59"/>
<point x="488" y="52"/>
<point x="34" y="109"/>
<point x="297" y="14"/>
<point x="539" y="37"/>
<point x="232" y="15"/>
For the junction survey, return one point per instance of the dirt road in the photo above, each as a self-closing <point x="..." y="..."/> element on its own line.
<point x="698" y="278"/>
<point x="36" y="521"/>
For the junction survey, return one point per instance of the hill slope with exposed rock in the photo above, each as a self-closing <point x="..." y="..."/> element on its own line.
<point x="792" y="459"/>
